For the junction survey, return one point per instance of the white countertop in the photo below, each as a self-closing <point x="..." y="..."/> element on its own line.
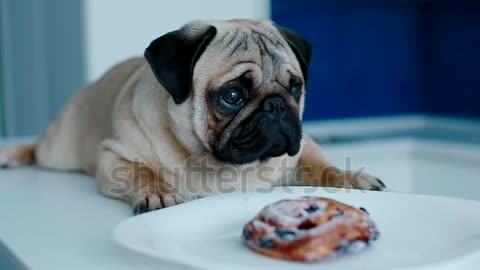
<point x="58" y="220"/>
<point x="55" y="220"/>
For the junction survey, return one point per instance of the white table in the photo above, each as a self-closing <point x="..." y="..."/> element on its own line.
<point x="55" y="220"/>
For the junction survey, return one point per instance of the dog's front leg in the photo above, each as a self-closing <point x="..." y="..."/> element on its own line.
<point x="315" y="170"/>
<point x="133" y="182"/>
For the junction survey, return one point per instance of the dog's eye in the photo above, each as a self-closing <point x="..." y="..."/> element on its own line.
<point x="233" y="96"/>
<point x="296" y="90"/>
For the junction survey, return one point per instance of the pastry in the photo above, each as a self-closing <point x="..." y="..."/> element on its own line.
<point x="309" y="229"/>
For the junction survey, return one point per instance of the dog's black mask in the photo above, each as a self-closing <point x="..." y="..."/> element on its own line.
<point x="270" y="131"/>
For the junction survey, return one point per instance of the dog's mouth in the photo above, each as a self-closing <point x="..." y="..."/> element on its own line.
<point x="262" y="136"/>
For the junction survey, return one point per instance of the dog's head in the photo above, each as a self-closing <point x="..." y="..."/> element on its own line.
<point x="237" y="86"/>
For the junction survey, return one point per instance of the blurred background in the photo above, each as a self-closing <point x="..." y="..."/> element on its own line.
<point x="371" y="57"/>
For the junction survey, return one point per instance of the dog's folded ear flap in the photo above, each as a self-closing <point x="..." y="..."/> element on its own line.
<point x="299" y="46"/>
<point x="173" y="56"/>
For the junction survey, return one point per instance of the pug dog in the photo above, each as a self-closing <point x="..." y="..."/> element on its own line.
<point x="213" y="107"/>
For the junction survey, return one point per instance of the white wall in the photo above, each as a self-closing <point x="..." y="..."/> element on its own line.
<point x="118" y="29"/>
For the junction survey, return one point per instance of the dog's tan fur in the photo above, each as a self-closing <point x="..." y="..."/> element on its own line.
<point x="127" y="131"/>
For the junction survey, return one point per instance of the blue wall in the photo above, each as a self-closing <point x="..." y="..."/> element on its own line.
<point x="388" y="57"/>
<point x="451" y="51"/>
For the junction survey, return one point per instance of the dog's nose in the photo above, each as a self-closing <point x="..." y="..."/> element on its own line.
<point x="275" y="105"/>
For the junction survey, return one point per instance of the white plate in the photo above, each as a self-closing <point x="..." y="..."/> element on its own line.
<point x="417" y="231"/>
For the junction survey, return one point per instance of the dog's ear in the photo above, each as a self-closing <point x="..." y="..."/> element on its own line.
<point x="173" y="56"/>
<point x="300" y="46"/>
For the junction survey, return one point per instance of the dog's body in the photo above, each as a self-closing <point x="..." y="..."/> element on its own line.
<point x="156" y="144"/>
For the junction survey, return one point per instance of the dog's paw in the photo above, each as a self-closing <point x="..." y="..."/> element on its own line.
<point x="153" y="201"/>
<point x="362" y="181"/>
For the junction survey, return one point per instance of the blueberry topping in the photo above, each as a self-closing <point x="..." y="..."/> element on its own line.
<point x="343" y="247"/>
<point x="247" y="234"/>
<point x="285" y="234"/>
<point x="338" y="213"/>
<point x="364" y="210"/>
<point x="266" y="243"/>
<point x="311" y="208"/>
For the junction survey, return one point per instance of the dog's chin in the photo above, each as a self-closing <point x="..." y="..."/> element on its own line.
<point x="260" y="139"/>
<point x="239" y="156"/>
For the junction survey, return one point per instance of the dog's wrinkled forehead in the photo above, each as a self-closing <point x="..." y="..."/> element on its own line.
<point x="247" y="37"/>
<point x="245" y="41"/>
